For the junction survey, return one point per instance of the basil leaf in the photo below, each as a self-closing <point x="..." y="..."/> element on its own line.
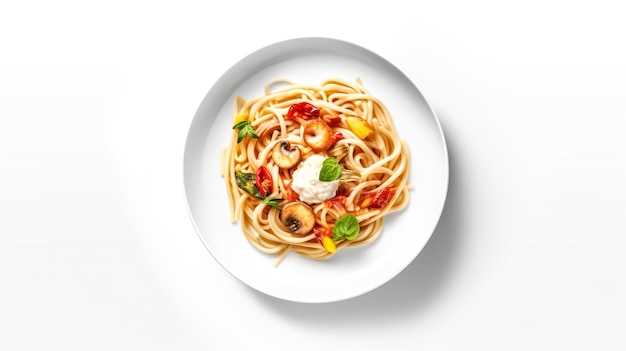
<point x="346" y="227"/>
<point x="241" y="124"/>
<point x="273" y="202"/>
<point x="247" y="182"/>
<point x="245" y="128"/>
<point x="240" y="136"/>
<point x="330" y="170"/>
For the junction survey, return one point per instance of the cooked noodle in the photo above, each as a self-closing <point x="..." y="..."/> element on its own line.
<point x="378" y="162"/>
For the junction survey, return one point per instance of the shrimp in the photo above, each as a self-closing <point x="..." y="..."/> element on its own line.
<point x="318" y="135"/>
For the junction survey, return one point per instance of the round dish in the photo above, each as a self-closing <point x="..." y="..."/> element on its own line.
<point x="353" y="271"/>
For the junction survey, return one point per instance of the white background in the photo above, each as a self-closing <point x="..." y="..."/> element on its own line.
<point x="97" y="251"/>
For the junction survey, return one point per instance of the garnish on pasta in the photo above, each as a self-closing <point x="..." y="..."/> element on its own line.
<point x="314" y="169"/>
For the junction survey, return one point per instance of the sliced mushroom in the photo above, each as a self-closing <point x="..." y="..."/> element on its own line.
<point x="298" y="217"/>
<point x="318" y="135"/>
<point x="286" y="155"/>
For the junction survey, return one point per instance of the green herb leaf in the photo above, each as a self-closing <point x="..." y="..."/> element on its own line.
<point x="247" y="182"/>
<point x="245" y="128"/>
<point x="273" y="202"/>
<point x="330" y="170"/>
<point x="346" y="227"/>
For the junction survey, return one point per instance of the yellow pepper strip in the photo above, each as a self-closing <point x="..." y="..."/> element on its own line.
<point x="241" y="117"/>
<point x="366" y="202"/>
<point x="359" y="126"/>
<point x="328" y="244"/>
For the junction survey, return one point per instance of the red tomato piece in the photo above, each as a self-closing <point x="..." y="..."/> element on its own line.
<point x="339" y="200"/>
<point x="335" y="138"/>
<point x="291" y="195"/>
<point x="303" y="110"/>
<point x="380" y="198"/>
<point x="331" y="120"/>
<point x="264" y="181"/>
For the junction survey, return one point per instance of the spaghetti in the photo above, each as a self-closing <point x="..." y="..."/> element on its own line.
<point x="313" y="169"/>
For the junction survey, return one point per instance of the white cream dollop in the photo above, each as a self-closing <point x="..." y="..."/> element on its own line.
<point x="307" y="184"/>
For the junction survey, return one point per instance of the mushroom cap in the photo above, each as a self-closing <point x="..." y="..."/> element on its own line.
<point x="286" y="155"/>
<point x="298" y="217"/>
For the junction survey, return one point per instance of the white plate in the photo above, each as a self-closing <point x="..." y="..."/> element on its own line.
<point x="353" y="271"/>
